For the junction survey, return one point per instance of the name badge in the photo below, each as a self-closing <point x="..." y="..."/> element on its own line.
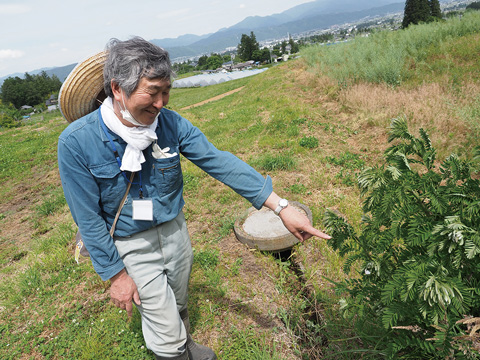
<point x="142" y="209"/>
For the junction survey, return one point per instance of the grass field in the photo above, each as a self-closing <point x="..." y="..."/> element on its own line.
<point x="311" y="129"/>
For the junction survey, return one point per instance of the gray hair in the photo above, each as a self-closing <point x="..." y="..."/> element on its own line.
<point x="129" y="61"/>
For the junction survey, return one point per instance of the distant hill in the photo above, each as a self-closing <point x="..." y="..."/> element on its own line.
<point x="61" y="72"/>
<point x="310" y="9"/>
<point x="183" y="40"/>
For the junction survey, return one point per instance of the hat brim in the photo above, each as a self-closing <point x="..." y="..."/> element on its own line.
<point x="82" y="91"/>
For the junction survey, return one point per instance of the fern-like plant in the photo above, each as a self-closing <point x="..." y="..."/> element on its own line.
<point x="418" y="249"/>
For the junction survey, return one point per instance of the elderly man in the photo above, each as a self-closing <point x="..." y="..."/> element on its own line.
<point x="130" y="147"/>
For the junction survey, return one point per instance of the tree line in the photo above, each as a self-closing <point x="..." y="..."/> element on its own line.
<point x="248" y="49"/>
<point x="424" y="11"/>
<point x="474" y="6"/>
<point x="421" y="11"/>
<point x="32" y="90"/>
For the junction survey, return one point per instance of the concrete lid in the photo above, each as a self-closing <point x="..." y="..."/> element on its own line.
<point x="263" y="230"/>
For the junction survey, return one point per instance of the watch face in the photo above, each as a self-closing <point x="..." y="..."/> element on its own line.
<point x="283" y="203"/>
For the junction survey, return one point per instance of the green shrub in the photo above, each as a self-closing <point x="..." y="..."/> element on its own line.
<point x="8" y="122"/>
<point x="418" y="249"/>
<point x="9" y="116"/>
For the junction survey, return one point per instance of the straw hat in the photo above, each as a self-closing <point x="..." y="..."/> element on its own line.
<point x="82" y="91"/>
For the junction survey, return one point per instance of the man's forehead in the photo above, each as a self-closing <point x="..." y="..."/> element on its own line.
<point x="155" y="83"/>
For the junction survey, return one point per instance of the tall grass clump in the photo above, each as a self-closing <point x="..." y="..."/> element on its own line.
<point x="387" y="56"/>
<point x="271" y="162"/>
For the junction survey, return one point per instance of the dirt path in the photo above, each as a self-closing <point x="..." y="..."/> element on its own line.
<point x="218" y="97"/>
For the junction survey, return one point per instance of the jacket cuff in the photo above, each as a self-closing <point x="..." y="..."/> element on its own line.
<point x="109" y="272"/>
<point x="264" y="193"/>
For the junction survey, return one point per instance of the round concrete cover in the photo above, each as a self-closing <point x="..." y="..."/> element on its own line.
<point x="263" y="230"/>
<point x="264" y="224"/>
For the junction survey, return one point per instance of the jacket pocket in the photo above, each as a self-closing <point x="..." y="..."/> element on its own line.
<point x="111" y="184"/>
<point x="168" y="175"/>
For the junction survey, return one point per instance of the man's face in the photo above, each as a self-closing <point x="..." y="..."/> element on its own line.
<point x="146" y="101"/>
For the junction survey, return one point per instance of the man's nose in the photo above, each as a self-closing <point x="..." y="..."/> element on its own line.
<point x="158" y="102"/>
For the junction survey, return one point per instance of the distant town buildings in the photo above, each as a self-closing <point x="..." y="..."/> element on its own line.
<point x="346" y="31"/>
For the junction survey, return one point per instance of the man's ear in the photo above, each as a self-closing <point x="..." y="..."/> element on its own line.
<point x="116" y="90"/>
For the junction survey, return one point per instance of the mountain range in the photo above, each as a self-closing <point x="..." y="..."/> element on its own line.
<point x="315" y="15"/>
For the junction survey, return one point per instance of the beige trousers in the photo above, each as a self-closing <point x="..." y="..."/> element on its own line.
<point x="159" y="260"/>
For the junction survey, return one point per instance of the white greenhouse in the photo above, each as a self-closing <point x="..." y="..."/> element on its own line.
<point x="214" y="78"/>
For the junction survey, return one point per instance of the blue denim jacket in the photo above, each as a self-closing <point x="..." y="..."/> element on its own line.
<point x="94" y="185"/>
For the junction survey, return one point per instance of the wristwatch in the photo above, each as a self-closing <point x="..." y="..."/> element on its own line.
<point x="282" y="204"/>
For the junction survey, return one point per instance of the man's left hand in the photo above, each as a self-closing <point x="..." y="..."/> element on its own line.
<point x="299" y="225"/>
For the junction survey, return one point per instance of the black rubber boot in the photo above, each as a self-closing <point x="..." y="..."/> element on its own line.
<point x="195" y="351"/>
<point x="183" y="356"/>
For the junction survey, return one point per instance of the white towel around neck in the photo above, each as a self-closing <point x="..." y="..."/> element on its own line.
<point x="137" y="138"/>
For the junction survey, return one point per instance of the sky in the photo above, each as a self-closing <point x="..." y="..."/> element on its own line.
<point x="38" y="34"/>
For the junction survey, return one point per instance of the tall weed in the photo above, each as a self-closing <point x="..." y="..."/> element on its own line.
<point x="387" y="57"/>
<point x="419" y="247"/>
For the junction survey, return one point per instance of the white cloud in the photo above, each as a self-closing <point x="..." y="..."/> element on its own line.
<point x="10" y="54"/>
<point x="242" y="6"/>
<point x="9" y="9"/>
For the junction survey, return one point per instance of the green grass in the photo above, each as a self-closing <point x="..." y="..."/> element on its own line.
<point x="271" y="162"/>
<point x="26" y="151"/>
<point x="392" y="57"/>
<point x="309" y="142"/>
<point x="247" y="344"/>
<point x="64" y="323"/>
<point x="51" y="204"/>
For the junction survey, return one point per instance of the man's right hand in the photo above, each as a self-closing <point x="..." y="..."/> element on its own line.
<point x="123" y="290"/>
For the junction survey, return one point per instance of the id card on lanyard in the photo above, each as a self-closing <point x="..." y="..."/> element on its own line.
<point x="142" y="208"/>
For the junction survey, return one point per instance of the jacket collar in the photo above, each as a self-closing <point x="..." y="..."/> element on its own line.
<point x="104" y="136"/>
